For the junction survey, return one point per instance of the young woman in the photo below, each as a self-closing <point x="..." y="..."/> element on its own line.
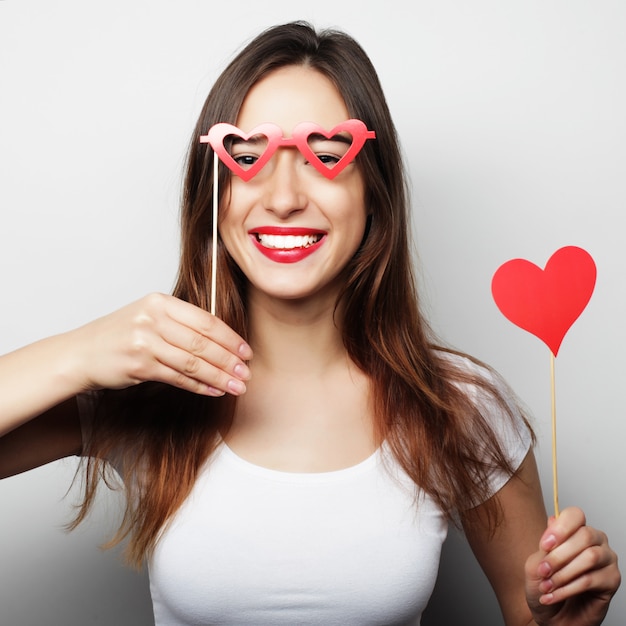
<point x="296" y="458"/>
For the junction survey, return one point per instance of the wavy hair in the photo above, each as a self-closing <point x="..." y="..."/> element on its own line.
<point x="160" y="436"/>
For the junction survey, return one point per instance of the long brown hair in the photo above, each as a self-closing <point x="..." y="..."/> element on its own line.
<point x="159" y="437"/>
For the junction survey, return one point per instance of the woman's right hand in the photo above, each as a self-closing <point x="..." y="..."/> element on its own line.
<point x="158" y="338"/>
<point x="161" y="338"/>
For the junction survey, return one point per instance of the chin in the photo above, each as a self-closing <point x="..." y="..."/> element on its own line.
<point x="298" y="293"/>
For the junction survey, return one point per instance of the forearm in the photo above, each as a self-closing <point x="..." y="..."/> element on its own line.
<point x="35" y="378"/>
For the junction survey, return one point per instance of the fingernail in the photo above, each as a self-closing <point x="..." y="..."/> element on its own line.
<point x="547" y="598"/>
<point x="544" y="569"/>
<point x="213" y="391"/>
<point x="546" y="586"/>
<point x="548" y="543"/>
<point x="236" y="387"/>
<point x="241" y="371"/>
<point x="245" y="351"/>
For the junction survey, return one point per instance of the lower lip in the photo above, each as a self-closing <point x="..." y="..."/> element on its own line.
<point x="292" y="255"/>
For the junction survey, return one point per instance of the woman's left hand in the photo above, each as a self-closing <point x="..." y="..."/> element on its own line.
<point x="571" y="579"/>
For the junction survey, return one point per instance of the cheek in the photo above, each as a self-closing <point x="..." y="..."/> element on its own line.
<point x="232" y="211"/>
<point x="230" y="231"/>
<point x="341" y="198"/>
<point x="352" y="213"/>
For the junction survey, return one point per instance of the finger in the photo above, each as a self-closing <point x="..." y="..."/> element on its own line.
<point x="561" y="528"/>
<point x="164" y="374"/>
<point x="541" y="565"/>
<point x="189" y="371"/>
<point x="208" y="325"/>
<point x="534" y="577"/>
<point x="197" y="348"/>
<point x="151" y="357"/>
<point x="602" y="583"/>
<point x="584" y="563"/>
<point x="584" y="538"/>
<point x="564" y="539"/>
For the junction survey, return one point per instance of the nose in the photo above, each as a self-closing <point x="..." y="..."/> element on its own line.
<point x="283" y="192"/>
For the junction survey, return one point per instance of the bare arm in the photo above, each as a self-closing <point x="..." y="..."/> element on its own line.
<point x="502" y="556"/>
<point x="53" y="435"/>
<point x="158" y="338"/>
<point x="35" y="379"/>
<point x="38" y="413"/>
<point x="582" y="576"/>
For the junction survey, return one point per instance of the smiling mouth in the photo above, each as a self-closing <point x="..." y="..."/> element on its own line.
<point x="287" y="242"/>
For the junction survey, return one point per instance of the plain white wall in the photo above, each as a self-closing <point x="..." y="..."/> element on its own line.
<point x="512" y="119"/>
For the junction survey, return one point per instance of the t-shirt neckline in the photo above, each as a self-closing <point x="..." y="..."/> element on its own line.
<point x="328" y="476"/>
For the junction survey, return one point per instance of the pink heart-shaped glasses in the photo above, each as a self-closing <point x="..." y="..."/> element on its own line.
<point x="247" y="153"/>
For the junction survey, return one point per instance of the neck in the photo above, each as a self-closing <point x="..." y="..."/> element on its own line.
<point x="307" y="407"/>
<point x="290" y="336"/>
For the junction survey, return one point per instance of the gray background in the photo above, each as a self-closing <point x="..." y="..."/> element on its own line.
<point x="512" y="119"/>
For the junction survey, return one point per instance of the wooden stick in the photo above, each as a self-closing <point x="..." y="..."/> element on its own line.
<point x="214" y="245"/>
<point x="555" y="478"/>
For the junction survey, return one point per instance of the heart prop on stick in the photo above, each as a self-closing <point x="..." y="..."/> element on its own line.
<point x="546" y="303"/>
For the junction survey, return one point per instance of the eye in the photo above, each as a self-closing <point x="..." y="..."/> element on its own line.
<point x="329" y="151"/>
<point x="245" y="161"/>
<point x="328" y="159"/>
<point x="246" y="152"/>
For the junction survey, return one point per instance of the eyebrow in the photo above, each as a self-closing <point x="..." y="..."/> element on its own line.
<point x="339" y="138"/>
<point x="256" y="139"/>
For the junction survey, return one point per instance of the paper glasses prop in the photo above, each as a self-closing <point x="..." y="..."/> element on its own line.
<point x="265" y="139"/>
<point x="546" y="303"/>
<point x="246" y="153"/>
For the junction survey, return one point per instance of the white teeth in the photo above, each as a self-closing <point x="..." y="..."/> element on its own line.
<point x="287" y="242"/>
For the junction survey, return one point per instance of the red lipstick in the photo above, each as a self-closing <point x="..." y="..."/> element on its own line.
<point x="283" y="244"/>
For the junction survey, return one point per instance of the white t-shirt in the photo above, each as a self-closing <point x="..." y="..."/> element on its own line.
<point x="258" y="546"/>
<point x="255" y="546"/>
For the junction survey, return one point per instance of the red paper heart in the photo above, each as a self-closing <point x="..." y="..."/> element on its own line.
<point x="546" y="302"/>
